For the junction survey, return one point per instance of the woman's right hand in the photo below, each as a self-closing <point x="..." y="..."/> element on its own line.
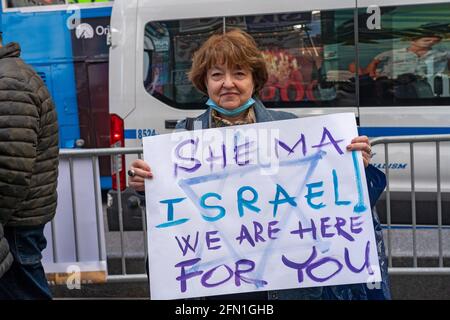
<point x="142" y="171"/>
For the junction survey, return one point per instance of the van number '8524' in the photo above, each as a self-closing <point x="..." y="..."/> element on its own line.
<point x="145" y="133"/>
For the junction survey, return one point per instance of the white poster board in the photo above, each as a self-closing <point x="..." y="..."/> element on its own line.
<point x="64" y="263"/>
<point x="274" y="205"/>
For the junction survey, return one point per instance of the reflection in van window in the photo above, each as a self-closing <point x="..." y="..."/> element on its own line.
<point x="32" y="3"/>
<point x="307" y="65"/>
<point x="407" y="61"/>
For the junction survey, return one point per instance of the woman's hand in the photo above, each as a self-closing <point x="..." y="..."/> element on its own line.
<point x="362" y="144"/>
<point x="139" y="171"/>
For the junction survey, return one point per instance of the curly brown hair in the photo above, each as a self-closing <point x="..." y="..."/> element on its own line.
<point x="235" y="48"/>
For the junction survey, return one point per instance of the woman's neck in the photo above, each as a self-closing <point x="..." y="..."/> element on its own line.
<point x="238" y="117"/>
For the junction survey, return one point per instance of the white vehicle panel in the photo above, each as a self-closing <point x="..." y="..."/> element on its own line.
<point x="146" y="115"/>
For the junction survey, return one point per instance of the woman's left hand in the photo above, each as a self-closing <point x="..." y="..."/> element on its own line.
<point x="362" y="144"/>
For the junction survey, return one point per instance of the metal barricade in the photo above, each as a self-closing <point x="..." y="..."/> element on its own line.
<point x="94" y="154"/>
<point x="412" y="140"/>
<point x="116" y="154"/>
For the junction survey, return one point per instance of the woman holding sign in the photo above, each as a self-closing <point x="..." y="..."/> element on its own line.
<point x="230" y="70"/>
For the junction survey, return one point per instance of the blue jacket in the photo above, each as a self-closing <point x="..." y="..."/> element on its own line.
<point x="376" y="182"/>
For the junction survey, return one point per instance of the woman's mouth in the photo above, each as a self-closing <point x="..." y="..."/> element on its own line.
<point x="228" y="94"/>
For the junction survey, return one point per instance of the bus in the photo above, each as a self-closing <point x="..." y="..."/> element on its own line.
<point x="66" y="43"/>
<point x="323" y="57"/>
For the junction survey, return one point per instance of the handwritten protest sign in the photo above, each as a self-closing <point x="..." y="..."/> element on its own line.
<point x="273" y="205"/>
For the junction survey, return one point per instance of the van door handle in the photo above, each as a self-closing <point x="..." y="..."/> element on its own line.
<point x="171" y="124"/>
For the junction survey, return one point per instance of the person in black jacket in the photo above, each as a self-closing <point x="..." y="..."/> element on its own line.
<point x="28" y="173"/>
<point x="6" y="258"/>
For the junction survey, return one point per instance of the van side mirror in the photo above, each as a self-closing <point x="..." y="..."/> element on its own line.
<point x="113" y="37"/>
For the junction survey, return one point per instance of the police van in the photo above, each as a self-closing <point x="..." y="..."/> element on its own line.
<point x="387" y="61"/>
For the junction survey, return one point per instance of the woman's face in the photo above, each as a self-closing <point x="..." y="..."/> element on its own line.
<point x="229" y="88"/>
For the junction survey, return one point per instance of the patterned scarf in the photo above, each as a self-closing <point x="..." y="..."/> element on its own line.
<point x="218" y="121"/>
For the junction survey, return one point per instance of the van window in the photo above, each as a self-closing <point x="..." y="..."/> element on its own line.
<point x="406" y="62"/>
<point x="32" y="3"/>
<point x="310" y="64"/>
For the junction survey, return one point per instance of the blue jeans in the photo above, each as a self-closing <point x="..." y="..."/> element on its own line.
<point x="25" y="280"/>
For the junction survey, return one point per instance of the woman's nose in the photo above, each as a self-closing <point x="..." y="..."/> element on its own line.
<point x="228" y="81"/>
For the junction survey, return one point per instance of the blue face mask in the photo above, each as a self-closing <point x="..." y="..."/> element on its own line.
<point x="230" y="113"/>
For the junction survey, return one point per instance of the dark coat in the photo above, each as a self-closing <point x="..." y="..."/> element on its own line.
<point x="376" y="182"/>
<point x="28" y="144"/>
